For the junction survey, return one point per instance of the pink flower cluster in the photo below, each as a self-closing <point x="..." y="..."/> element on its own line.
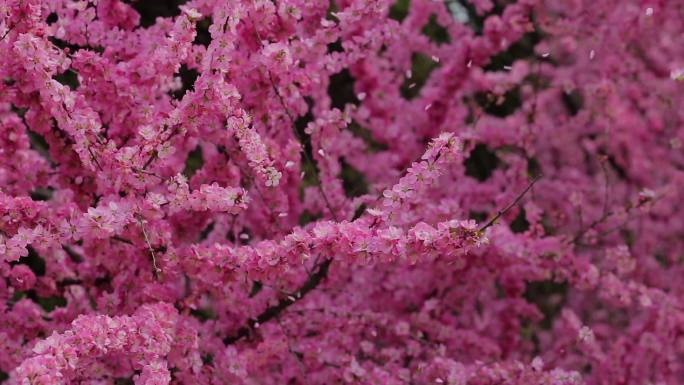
<point x="140" y="340"/>
<point x="457" y="192"/>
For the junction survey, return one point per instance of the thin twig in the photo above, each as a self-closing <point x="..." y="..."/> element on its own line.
<point x="6" y="33"/>
<point x="252" y="181"/>
<point x="74" y="256"/>
<point x="149" y="161"/>
<point x="317" y="173"/>
<point x="606" y="186"/>
<point x="629" y="210"/>
<point x="273" y="311"/>
<point x="157" y="270"/>
<point x="143" y="171"/>
<point x="500" y="213"/>
<point x="122" y="240"/>
<point x="95" y="158"/>
<point x="292" y="123"/>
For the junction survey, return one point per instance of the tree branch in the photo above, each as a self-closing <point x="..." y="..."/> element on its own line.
<point x="316" y="278"/>
<point x="500" y="213"/>
<point x="273" y="311"/>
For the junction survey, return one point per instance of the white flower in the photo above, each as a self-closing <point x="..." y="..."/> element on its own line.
<point x="192" y="13"/>
<point x="156" y="200"/>
<point x="147" y="132"/>
<point x="537" y="364"/>
<point x="586" y="335"/>
<point x="273" y="177"/>
<point x="677" y="74"/>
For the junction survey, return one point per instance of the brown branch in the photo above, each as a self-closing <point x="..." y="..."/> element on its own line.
<point x="94" y="158"/>
<point x="70" y="282"/>
<point x="308" y="158"/>
<point x="74" y="256"/>
<point x="629" y="210"/>
<point x="6" y="33"/>
<point x="500" y="213"/>
<point x="122" y="240"/>
<point x="155" y="154"/>
<point x="319" y="185"/>
<point x="157" y="270"/>
<point x="149" y="160"/>
<point x="273" y="311"/>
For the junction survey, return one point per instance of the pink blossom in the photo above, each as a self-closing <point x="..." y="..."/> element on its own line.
<point x="22" y="277"/>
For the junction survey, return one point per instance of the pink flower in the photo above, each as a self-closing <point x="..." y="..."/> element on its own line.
<point x="22" y="278"/>
<point x="278" y="54"/>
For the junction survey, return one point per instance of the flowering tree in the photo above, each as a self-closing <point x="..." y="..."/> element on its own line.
<point x="347" y="191"/>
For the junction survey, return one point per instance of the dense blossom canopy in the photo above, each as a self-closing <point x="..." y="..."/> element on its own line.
<point x="470" y="192"/>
